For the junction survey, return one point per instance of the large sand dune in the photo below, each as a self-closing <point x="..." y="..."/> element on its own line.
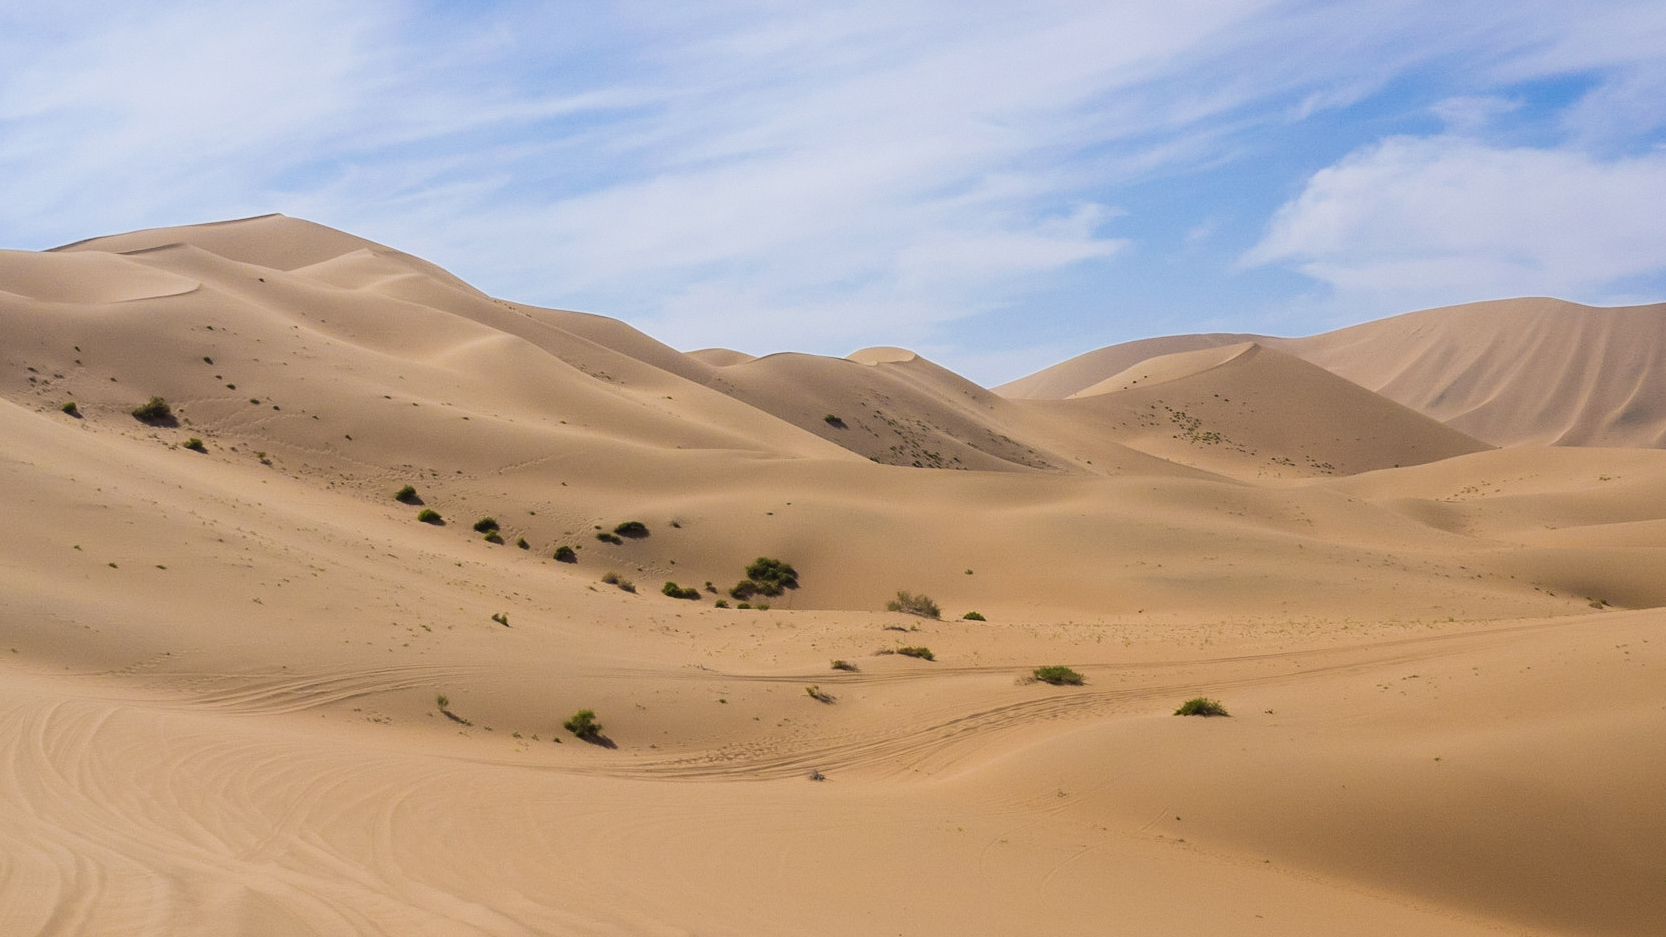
<point x="219" y="669"/>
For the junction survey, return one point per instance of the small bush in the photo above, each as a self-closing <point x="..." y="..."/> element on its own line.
<point x="818" y="695"/>
<point x="606" y="537"/>
<point x="429" y="516"/>
<point x="923" y="653"/>
<point x="155" y="411"/>
<point x="743" y="605"/>
<point x="614" y="579"/>
<point x="912" y="604"/>
<point x="833" y="421"/>
<point x="565" y="555"/>
<point x="678" y="592"/>
<point x="408" y="495"/>
<point x="745" y="589"/>
<point x="501" y="619"/>
<point x="635" y="530"/>
<point x="485" y="525"/>
<point x="1201" y="706"/>
<point x="493" y="536"/>
<point x="771" y="575"/>
<point x="761" y="606"/>
<point x="583" y="724"/>
<point x="195" y="445"/>
<point x="720" y="604"/>
<point x="611" y="578"/>
<point x="1058" y="676"/>
<point x="523" y="544"/>
<point x="973" y="616"/>
<point x="844" y="665"/>
<point x="70" y="408"/>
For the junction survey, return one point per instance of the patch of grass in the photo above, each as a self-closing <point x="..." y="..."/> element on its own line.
<point x="1058" y="675"/>
<point x="501" y="618"/>
<point x="678" y="592"/>
<point x="973" y="616"/>
<point x="635" y="530"/>
<point x="844" y="665"/>
<point x="485" y="525"/>
<point x="70" y="408"/>
<point x="195" y="445"/>
<point x="583" y="724"/>
<point x="817" y="694"/>
<point x="1201" y="706"/>
<point x="614" y="579"/>
<point x="911" y="604"/>
<point x="606" y="537"/>
<point x="923" y="653"/>
<point x="155" y="411"/>
<point x="408" y="495"/>
<point x="761" y="606"/>
<point x="430" y="516"/>
<point x="565" y="555"/>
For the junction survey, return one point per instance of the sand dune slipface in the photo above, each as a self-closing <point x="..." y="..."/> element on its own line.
<point x="221" y="666"/>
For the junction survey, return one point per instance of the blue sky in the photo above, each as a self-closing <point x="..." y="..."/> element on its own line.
<point x="997" y="185"/>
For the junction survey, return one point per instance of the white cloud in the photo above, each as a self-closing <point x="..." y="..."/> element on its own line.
<point x="1421" y="221"/>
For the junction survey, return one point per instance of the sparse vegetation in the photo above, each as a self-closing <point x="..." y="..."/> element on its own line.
<point x="817" y="694"/>
<point x="155" y="411"/>
<point x="606" y="537"/>
<point x="1058" y="675"/>
<point x="614" y="579"/>
<point x="834" y="421"/>
<point x="911" y="604"/>
<point x="923" y="653"/>
<point x="408" y="495"/>
<point x="1201" y="706"/>
<point x="429" y="516"/>
<point x="765" y="576"/>
<point x="973" y="616"/>
<point x="493" y="536"/>
<point x="445" y="710"/>
<point x="523" y="544"/>
<point x="502" y="619"/>
<point x="486" y="525"/>
<point x="720" y="604"/>
<point x="737" y="604"/>
<point x="195" y="445"/>
<point x="584" y="724"/>
<point x="565" y="555"/>
<point x="678" y="592"/>
<point x="844" y="665"/>
<point x="70" y="408"/>
<point x="635" y="530"/>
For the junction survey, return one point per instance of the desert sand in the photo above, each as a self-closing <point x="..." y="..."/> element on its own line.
<point x="1418" y="560"/>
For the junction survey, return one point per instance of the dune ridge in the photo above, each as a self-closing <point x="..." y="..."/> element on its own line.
<point x="224" y="665"/>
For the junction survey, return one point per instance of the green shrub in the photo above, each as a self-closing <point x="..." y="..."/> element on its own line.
<point x="818" y="695"/>
<point x="501" y="619"/>
<point x="195" y="445"/>
<point x="408" y="495"/>
<point x="493" y="536"/>
<point x="772" y="575"/>
<point x="833" y="421"/>
<point x="912" y="604"/>
<point x="1058" y="675"/>
<point x="1201" y="706"/>
<point x="745" y="589"/>
<point x="844" y="665"/>
<point x="678" y="592"/>
<point x="523" y="544"/>
<point x="635" y="530"/>
<point x="923" y="653"/>
<point x="761" y="606"/>
<point x="720" y="604"/>
<point x="565" y="555"/>
<point x="743" y="605"/>
<point x="429" y="516"/>
<point x="614" y="579"/>
<point x="70" y="408"/>
<point x="583" y="724"/>
<point x="485" y="525"/>
<point x="606" y="537"/>
<point x="155" y="411"/>
<point x="973" y="616"/>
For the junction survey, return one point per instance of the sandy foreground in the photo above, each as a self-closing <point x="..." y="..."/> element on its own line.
<point x="220" y="669"/>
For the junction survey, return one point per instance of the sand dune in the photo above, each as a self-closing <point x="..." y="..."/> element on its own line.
<point x="222" y="667"/>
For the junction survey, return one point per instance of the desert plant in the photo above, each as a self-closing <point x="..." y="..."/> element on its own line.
<point x="761" y="606"/>
<point x="772" y="575"/>
<point x="583" y="724"/>
<point x="485" y="525"/>
<point x="155" y="411"/>
<point x="442" y="701"/>
<point x="678" y="592"/>
<point x="973" y="616"/>
<point x="720" y="604"/>
<point x="1201" y="706"/>
<point x="743" y="605"/>
<point x="502" y="619"/>
<point x="429" y="516"/>
<point x="70" y="408"/>
<point x="493" y="536"/>
<point x="606" y="537"/>
<point x="614" y="579"/>
<point x="565" y="555"/>
<point x="408" y="495"/>
<point x="745" y="589"/>
<point x="818" y="695"/>
<point x="833" y="421"/>
<point x="912" y="604"/>
<point x="523" y="544"/>
<point x="195" y="445"/>
<point x="1058" y="675"/>
<point x="635" y="530"/>
<point x="844" y="665"/>
<point x="611" y="578"/>
<point x="923" y="653"/>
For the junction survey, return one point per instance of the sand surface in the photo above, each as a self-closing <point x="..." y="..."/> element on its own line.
<point x="1441" y="639"/>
